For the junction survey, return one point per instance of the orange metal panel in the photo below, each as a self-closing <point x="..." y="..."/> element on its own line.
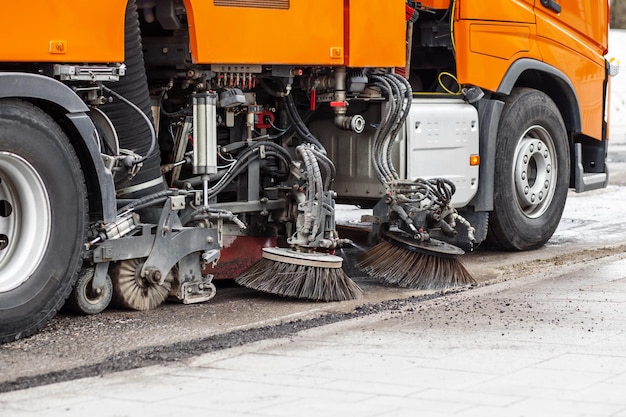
<point x="307" y="33"/>
<point x="500" y="41"/>
<point x="376" y="33"/>
<point x="584" y="22"/>
<point x="505" y="11"/>
<point x="575" y="41"/>
<point x="586" y="74"/>
<point x="483" y="57"/>
<point x="63" y="31"/>
<point x="436" y="4"/>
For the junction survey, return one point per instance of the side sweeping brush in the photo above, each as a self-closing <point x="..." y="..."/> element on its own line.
<point x="430" y="265"/>
<point x="314" y="276"/>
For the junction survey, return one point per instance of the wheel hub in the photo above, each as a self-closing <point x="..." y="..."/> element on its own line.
<point x="25" y="219"/>
<point x="535" y="172"/>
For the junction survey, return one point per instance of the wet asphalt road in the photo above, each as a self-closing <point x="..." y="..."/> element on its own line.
<point x="540" y="345"/>
<point x="76" y="346"/>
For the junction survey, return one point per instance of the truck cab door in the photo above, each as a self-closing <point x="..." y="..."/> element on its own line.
<point x="585" y="21"/>
<point x="576" y="33"/>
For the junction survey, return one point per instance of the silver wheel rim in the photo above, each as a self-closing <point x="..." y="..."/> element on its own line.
<point x="25" y="219"/>
<point x="535" y="172"/>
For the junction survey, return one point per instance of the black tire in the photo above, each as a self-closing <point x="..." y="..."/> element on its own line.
<point x="84" y="300"/>
<point x="532" y="172"/>
<point x="44" y="208"/>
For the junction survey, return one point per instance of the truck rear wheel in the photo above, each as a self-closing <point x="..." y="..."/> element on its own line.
<point x="43" y="210"/>
<point x="532" y="172"/>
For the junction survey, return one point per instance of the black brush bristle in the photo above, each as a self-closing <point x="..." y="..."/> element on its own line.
<point x="299" y="281"/>
<point x="410" y="269"/>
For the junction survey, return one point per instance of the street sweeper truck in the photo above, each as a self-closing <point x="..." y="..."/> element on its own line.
<point x="148" y="147"/>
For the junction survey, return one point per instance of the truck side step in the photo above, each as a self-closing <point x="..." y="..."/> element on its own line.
<point x="587" y="181"/>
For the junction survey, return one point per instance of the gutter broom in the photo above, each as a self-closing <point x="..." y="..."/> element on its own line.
<point x="408" y="256"/>
<point x="308" y="269"/>
<point x="314" y="276"/>
<point x="396" y="260"/>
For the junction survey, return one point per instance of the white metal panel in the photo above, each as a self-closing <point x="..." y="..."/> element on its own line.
<point x="441" y="136"/>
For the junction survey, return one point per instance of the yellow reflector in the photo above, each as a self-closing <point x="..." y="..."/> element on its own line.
<point x="474" y="160"/>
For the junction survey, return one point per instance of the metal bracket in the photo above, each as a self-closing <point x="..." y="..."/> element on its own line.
<point x="195" y="287"/>
<point x="99" y="276"/>
<point x="172" y="242"/>
<point x="177" y="202"/>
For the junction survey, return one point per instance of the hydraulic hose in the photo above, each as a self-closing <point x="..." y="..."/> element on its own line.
<point x="399" y="95"/>
<point x="143" y="116"/>
<point x="380" y="164"/>
<point x="401" y="84"/>
<point x="243" y="161"/>
<point x="301" y="127"/>
<point x="329" y="167"/>
<point x="315" y="187"/>
<point x="392" y="129"/>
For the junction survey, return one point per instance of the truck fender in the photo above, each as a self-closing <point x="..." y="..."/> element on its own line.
<point x="491" y="110"/>
<point x="570" y="106"/>
<point x="33" y="86"/>
<point x="19" y="84"/>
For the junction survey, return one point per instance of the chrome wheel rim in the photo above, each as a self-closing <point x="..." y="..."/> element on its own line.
<point x="535" y="172"/>
<point x="25" y="220"/>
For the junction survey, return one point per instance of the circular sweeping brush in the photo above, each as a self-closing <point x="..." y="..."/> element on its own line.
<point x="132" y="291"/>
<point x="310" y="275"/>
<point x="429" y="265"/>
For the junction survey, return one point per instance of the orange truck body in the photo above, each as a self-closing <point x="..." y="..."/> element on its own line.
<point x="327" y="32"/>
<point x="488" y="37"/>
<point x="63" y="31"/>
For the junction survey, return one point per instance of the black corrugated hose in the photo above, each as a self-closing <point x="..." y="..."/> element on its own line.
<point x="132" y="129"/>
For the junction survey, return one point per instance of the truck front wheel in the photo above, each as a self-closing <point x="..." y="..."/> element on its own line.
<point x="531" y="173"/>
<point x="43" y="210"/>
